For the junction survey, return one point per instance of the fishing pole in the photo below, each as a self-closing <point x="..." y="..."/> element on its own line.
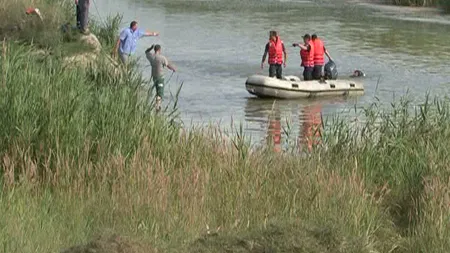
<point x="168" y="82"/>
<point x="173" y="72"/>
<point x="98" y="13"/>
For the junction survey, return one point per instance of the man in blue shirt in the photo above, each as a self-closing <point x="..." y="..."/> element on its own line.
<point x="127" y="42"/>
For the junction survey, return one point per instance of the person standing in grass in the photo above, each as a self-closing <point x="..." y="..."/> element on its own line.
<point x="83" y="15"/>
<point x="127" y="42"/>
<point x="158" y="63"/>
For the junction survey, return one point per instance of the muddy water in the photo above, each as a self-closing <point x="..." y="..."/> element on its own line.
<point x="217" y="44"/>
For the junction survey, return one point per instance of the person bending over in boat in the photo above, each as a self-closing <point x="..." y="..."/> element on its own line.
<point x="307" y="56"/>
<point x="319" y="61"/>
<point x="275" y="48"/>
<point x="158" y="63"/>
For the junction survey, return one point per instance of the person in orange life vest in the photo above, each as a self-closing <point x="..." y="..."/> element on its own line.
<point x="275" y="48"/>
<point x="319" y="61"/>
<point x="307" y="56"/>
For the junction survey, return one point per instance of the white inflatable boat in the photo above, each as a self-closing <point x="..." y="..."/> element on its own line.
<point x="293" y="87"/>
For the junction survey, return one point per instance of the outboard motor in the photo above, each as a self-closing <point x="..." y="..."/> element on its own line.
<point x="331" y="72"/>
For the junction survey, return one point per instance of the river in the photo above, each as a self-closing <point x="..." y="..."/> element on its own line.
<point x="217" y="44"/>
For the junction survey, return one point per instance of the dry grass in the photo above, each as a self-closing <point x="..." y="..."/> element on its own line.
<point x="82" y="154"/>
<point x="15" y="24"/>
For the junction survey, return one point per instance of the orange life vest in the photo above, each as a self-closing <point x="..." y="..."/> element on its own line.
<point x="307" y="57"/>
<point x="318" y="52"/>
<point x="276" y="51"/>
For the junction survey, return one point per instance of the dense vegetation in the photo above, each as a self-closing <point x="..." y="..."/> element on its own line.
<point x="82" y="154"/>
<point x="444" y="4"/>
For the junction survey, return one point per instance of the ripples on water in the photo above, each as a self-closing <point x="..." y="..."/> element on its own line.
<point x="217" y="44"/>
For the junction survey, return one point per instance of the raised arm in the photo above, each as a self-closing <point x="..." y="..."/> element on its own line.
<point x="149" y="33"/>
<point x="307" y="48"/>
<point x="149" y="49"/>
<point x="301" y="46"/>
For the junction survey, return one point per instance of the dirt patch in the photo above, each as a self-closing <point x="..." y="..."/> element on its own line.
<point x="110" y="244"/>
<point x="275" y="238"/>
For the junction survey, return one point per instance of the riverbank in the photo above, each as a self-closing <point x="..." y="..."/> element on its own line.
<point x="421" y="14"/>
<point x="409" y="6"/>
<point x="405" y="9"/>
<point x="83" y="156"/>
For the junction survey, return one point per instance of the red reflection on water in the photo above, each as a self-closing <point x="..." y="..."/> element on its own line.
<point x="274" y="132"/>
<point x="311" y="127"/>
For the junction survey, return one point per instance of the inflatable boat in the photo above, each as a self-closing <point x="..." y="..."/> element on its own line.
<point x="290" y="87"/>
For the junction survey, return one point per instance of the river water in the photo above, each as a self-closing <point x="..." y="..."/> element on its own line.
<point x="217" y="44"/>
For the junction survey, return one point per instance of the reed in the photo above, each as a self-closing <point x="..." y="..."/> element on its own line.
<point x="444" y="4"/>
<point x="83" y="154"/>
<point x="415" y="2"/>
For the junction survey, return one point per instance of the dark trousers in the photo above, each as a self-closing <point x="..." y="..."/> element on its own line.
<point x="275" y="69"/>
<point x="78" y="17"/>
<point x="317" y="72"/>
<point x="308" y="73"/>
<point x="84" y="13"/>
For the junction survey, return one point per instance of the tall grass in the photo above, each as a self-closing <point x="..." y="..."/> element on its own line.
<point x="106" y="30"/>
<point x="415" y="2"/>
<point x="46" y="34"/>
<point x="16" y="25"/>
<point x="82" y="154"/>
<point x="445" y="4"/>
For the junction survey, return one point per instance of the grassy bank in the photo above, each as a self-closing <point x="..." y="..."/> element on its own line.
<point x="81" y="155"/>
<point x="46" y="34"/>
<point x="444" y="4"/>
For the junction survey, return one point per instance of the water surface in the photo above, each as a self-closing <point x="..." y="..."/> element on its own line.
<point x="217" y="44"/>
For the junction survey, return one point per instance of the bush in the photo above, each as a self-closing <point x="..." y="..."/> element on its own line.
<point x="107" y="30"/>
<point x="423" y="3"/>
<point x="444" y="4"/>
<point x="83" y="153"/>
<point x="15" y="24"/>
